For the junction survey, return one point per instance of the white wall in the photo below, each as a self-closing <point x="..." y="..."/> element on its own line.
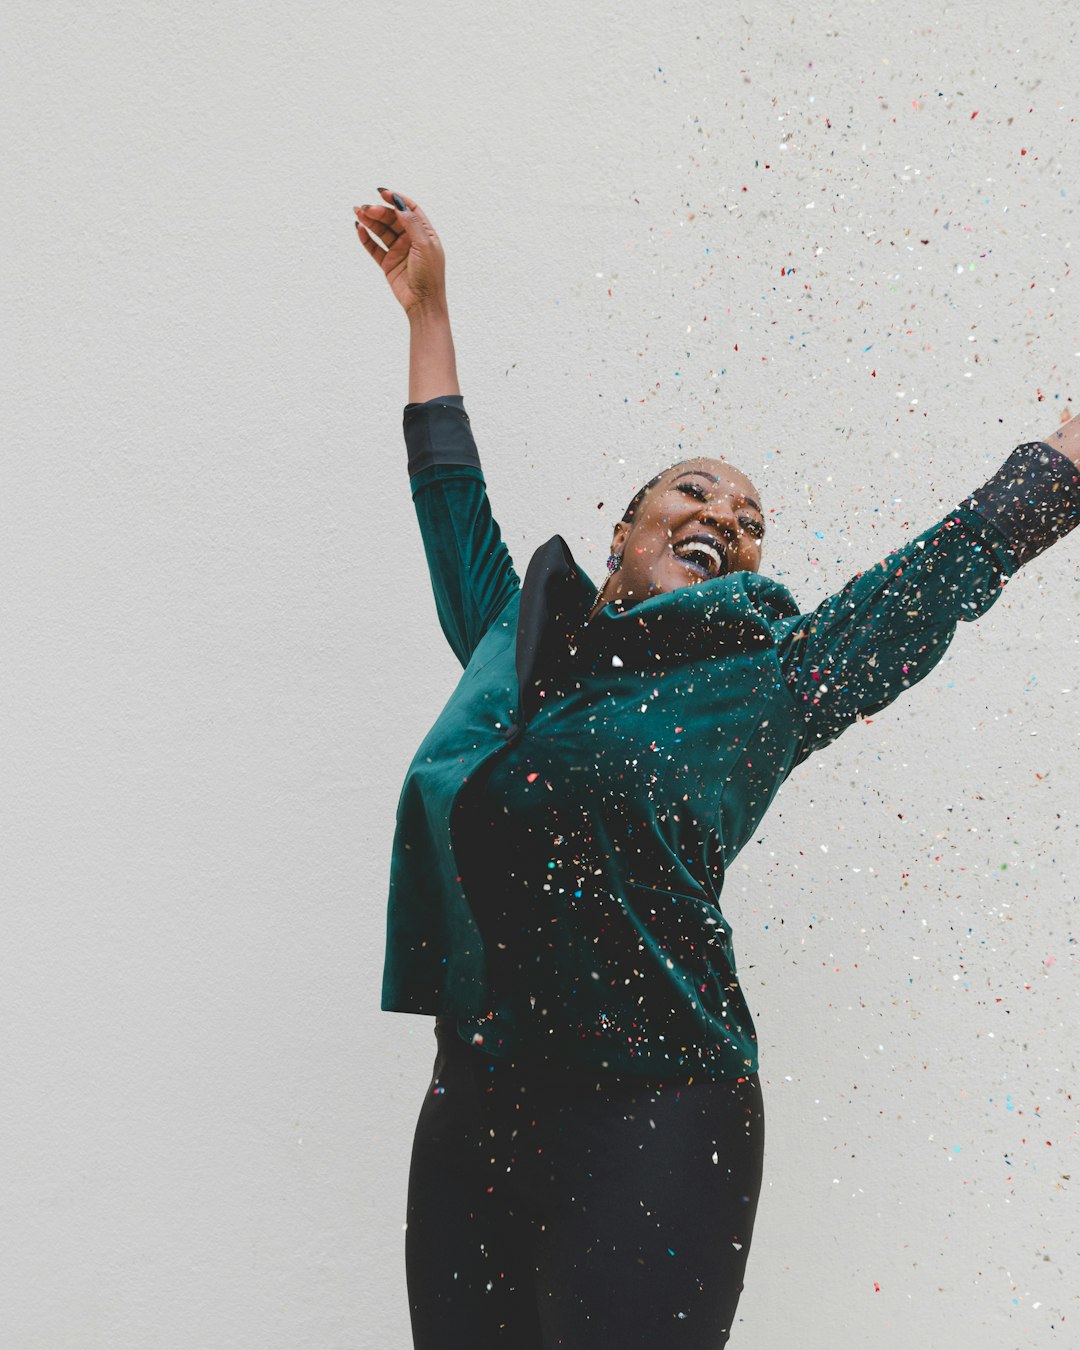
<point x="210" y="691"/>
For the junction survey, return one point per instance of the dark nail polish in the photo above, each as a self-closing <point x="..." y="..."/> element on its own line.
<point x="380" y="189"/>
<point x="398" y="202"/>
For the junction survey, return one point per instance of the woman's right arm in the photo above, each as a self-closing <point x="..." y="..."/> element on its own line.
<point x="472" y="573"/>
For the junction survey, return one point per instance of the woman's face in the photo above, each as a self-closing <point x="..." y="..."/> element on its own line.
<point x="701" y="520"/>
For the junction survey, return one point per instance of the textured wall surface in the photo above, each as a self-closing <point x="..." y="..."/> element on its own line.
<point x="834" y="245"/>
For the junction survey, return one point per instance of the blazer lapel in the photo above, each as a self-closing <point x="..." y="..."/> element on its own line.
<point x="554" y="598"/>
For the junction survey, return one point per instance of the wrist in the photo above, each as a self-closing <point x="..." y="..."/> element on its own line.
<point x="426" y="313"/>
<point x="1066" y="438"/>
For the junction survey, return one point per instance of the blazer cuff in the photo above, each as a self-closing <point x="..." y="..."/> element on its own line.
<point x="437" y="431"/>
<point x="1033" y="499"/>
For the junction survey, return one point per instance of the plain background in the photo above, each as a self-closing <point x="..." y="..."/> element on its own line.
<point x="834" y="245"/>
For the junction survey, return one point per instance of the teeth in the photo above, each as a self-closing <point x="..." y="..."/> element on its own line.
<point x="705" y="550"/>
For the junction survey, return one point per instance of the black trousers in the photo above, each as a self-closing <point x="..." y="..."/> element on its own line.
<point x="554" y="1208"/>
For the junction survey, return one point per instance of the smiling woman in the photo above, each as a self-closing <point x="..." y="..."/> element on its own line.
<point x="587" y="1158"/>
<point x="695" y="520"/>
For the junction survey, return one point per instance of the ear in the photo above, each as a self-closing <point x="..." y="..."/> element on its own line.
<point x="618" y="539"/>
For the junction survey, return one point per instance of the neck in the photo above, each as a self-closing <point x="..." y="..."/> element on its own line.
<point x="602" y="600"/>
<point x="598" y="604"/>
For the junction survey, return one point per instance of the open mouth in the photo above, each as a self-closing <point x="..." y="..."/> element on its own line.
<point x="700" y="557"/>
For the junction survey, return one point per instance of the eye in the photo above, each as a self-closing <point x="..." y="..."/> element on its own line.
<point x="748" y="523"/>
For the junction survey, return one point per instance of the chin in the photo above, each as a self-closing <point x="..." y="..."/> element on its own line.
<point x="683" y="578"/>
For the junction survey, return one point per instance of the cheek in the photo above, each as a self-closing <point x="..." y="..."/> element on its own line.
<point x="647" y="551"/>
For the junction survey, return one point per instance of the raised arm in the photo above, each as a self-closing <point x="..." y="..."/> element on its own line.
<point x="472" y="573"/>
<point x="889" y="626"/>
<point x="1067" y="439"/>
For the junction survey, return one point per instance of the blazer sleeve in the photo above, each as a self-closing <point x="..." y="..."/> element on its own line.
<point x="472" y="574"/>
<point x="890" y="625"/>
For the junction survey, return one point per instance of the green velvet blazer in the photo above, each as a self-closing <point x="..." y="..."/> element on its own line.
<point x="565" y="827"/>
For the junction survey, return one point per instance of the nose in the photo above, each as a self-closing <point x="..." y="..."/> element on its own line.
<point x="722" y="517"/>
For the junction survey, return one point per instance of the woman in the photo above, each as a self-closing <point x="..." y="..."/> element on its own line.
<point x="587" y="1160"/>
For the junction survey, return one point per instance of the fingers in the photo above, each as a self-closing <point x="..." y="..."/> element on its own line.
<point x="382" y="221"/>
<point x="372" y="247"/>
<point x="390" y="223"/>
<point x="389" y="196"/>
<point x="415" y="212"/>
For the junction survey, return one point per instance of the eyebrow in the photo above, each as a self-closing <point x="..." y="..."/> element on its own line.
<point x="700" y="473"/>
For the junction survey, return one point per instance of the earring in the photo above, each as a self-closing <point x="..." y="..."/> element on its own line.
<point x="614" y="562"/>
